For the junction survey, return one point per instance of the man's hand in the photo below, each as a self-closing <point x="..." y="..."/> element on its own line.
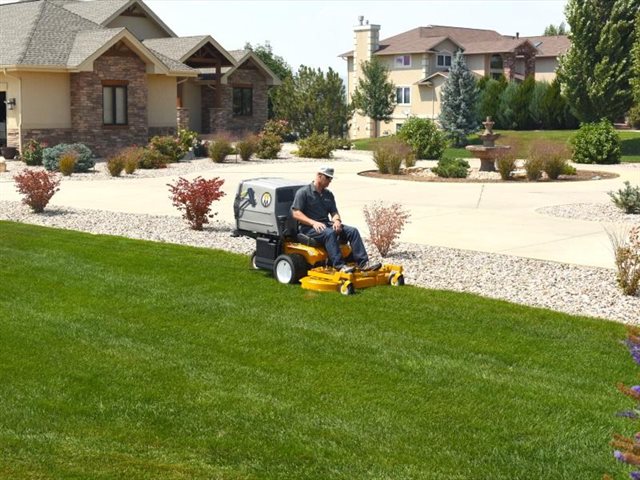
<point x="318" y="226"/>
<point x="337" y="225"/>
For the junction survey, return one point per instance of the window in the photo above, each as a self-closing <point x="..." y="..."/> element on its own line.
<point x="242" y="101"/>
<point x="114" y="105"/>
<point x="403" y="95"/>
<point x="403" y="61"/>
<point x="444" y="60"/>
<point x="398" y="127"/>
<point x="496" y="62"/>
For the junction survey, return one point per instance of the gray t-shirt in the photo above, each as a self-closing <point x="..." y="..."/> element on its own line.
<point x="314" y="205"/>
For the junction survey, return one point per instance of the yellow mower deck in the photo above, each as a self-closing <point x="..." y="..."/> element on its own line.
<point x="328" y="279"/>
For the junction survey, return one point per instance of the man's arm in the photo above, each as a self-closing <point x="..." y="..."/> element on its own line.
<point x="300" y="217"/>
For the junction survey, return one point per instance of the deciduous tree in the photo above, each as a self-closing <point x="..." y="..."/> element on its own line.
<point x="375" y="95"/>
<point x="313" y="102"/>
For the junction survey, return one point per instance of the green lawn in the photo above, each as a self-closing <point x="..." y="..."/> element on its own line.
<point x="131" y="359"/>
<point x="522" y="140"/>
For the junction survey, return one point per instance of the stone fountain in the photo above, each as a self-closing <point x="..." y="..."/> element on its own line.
<point x="488" y="151"/>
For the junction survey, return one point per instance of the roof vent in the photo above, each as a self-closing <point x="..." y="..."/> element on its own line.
<point x="361" y="19"/>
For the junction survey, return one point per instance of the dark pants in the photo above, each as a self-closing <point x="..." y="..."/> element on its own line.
<point x="331" y="241"/>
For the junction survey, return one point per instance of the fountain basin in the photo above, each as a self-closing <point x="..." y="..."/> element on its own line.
<point x="487" y="155"/>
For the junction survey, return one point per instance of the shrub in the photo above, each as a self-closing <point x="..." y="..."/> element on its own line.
<point x="506" y="163"/>
<point x="67" y="162"/>
<point x="596" y="143"/>
<point x="533" y="168"/>
<point x="388" y="156"/>
<point x="385" y="223"/>
<point x="317" y="145"/>
<point x="423" y="136"/>
<point x="452" y="168"/>
<point x="626" y="250"/>
<point x="268" y="146"/>
<point x="152" y="159"/>
<point x="247" y="147"/>
<point x="167" y="146"/>
<point x="32" y="152"/>
<point x="219" y="148"/>
<point x="131" y="157"/>
<point x="553" y="157"/>
<point x="627" y="198"/>
<point x="195" y="198"/>
<point x="634" y="117"/>
<point x="187" y="139"/>
<point x="115" y="165"/>
<point x="279" y="128"/>
<point x="37" y="187"/>
<point x="84" y="162"/>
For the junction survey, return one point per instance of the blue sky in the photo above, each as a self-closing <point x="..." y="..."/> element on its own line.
<point x="314" y="32"/>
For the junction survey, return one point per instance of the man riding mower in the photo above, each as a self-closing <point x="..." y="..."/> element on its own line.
<point x="262" y="210"/>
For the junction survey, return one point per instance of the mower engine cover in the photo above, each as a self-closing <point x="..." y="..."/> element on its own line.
<point x="263" y="206"/>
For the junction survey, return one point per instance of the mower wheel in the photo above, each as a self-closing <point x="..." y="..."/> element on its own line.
<point x="397" y="280"/>
<point x="347" y="288"/>
<point x="253" y="261"/>
<point x="289" y="268"/>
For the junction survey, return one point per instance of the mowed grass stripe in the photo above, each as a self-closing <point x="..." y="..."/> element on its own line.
<point x="131" y="359"/>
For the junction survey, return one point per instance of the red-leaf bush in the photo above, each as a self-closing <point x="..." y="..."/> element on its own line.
<point x="385" y="224"/>
<point x="195" y="198"/>
<point x="37" y="187"/>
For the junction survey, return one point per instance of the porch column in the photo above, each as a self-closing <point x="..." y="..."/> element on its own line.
<point x="183" y="118"/>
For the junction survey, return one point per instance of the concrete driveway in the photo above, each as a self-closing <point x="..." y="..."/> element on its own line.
<point x="489" y="217"/>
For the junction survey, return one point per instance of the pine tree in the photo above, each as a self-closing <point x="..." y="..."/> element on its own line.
<point x="596" y="71"/>
<point x="375" y="95"/>
<point x="458" y="116"/>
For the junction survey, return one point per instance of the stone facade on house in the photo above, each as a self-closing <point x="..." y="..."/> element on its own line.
<point x="117" y="65"/>
<point x="222" y="118"/>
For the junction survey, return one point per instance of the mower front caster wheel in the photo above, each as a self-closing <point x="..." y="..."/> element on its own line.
<point x="289" y="268"/>
<point x="347" y="288"/>
<point x="396" y="280"/>
<point x="253" y="261"/>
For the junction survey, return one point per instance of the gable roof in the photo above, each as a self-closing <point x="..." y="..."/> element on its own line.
<point x="181" y="48"/>
<point x="42" y="34"/>
<point x="250" y="57"/>
<point x="498" y="46"/>
<point x="103" y="12"/>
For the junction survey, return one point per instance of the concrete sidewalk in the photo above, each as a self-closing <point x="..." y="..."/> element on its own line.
<point x="490" y="217"/>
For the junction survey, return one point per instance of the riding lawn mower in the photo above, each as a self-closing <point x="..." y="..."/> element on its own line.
<point x="262" y="210"/>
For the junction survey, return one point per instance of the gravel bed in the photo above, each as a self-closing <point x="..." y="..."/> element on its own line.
<point x="594" y="212"/>
<point x="572" y="289"/>
<point x="185" y="167"/>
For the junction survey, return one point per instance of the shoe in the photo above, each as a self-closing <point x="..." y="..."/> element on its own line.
<point x="368" y="267"/>
<point x="347" y="269"/>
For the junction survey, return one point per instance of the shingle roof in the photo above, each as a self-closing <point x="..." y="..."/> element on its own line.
<point x="496" y="46"/>
<point x="43" y="33"/>
<point x="175" y="48"/>
<point x="238" y="54"/>
<point x="96" y="11"/>
<point x="39" y="33"/>
<point x="472" y="40"/>
<point x="550" y="46"/>
<point x="17" y="22"/>
<point x="86" y="43"/>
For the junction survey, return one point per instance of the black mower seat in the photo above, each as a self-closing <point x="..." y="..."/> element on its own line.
<point x="307" y="240"/>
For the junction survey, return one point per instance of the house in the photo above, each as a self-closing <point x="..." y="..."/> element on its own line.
<point x="110" y="73"/>
<point x="419" y="60"/>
